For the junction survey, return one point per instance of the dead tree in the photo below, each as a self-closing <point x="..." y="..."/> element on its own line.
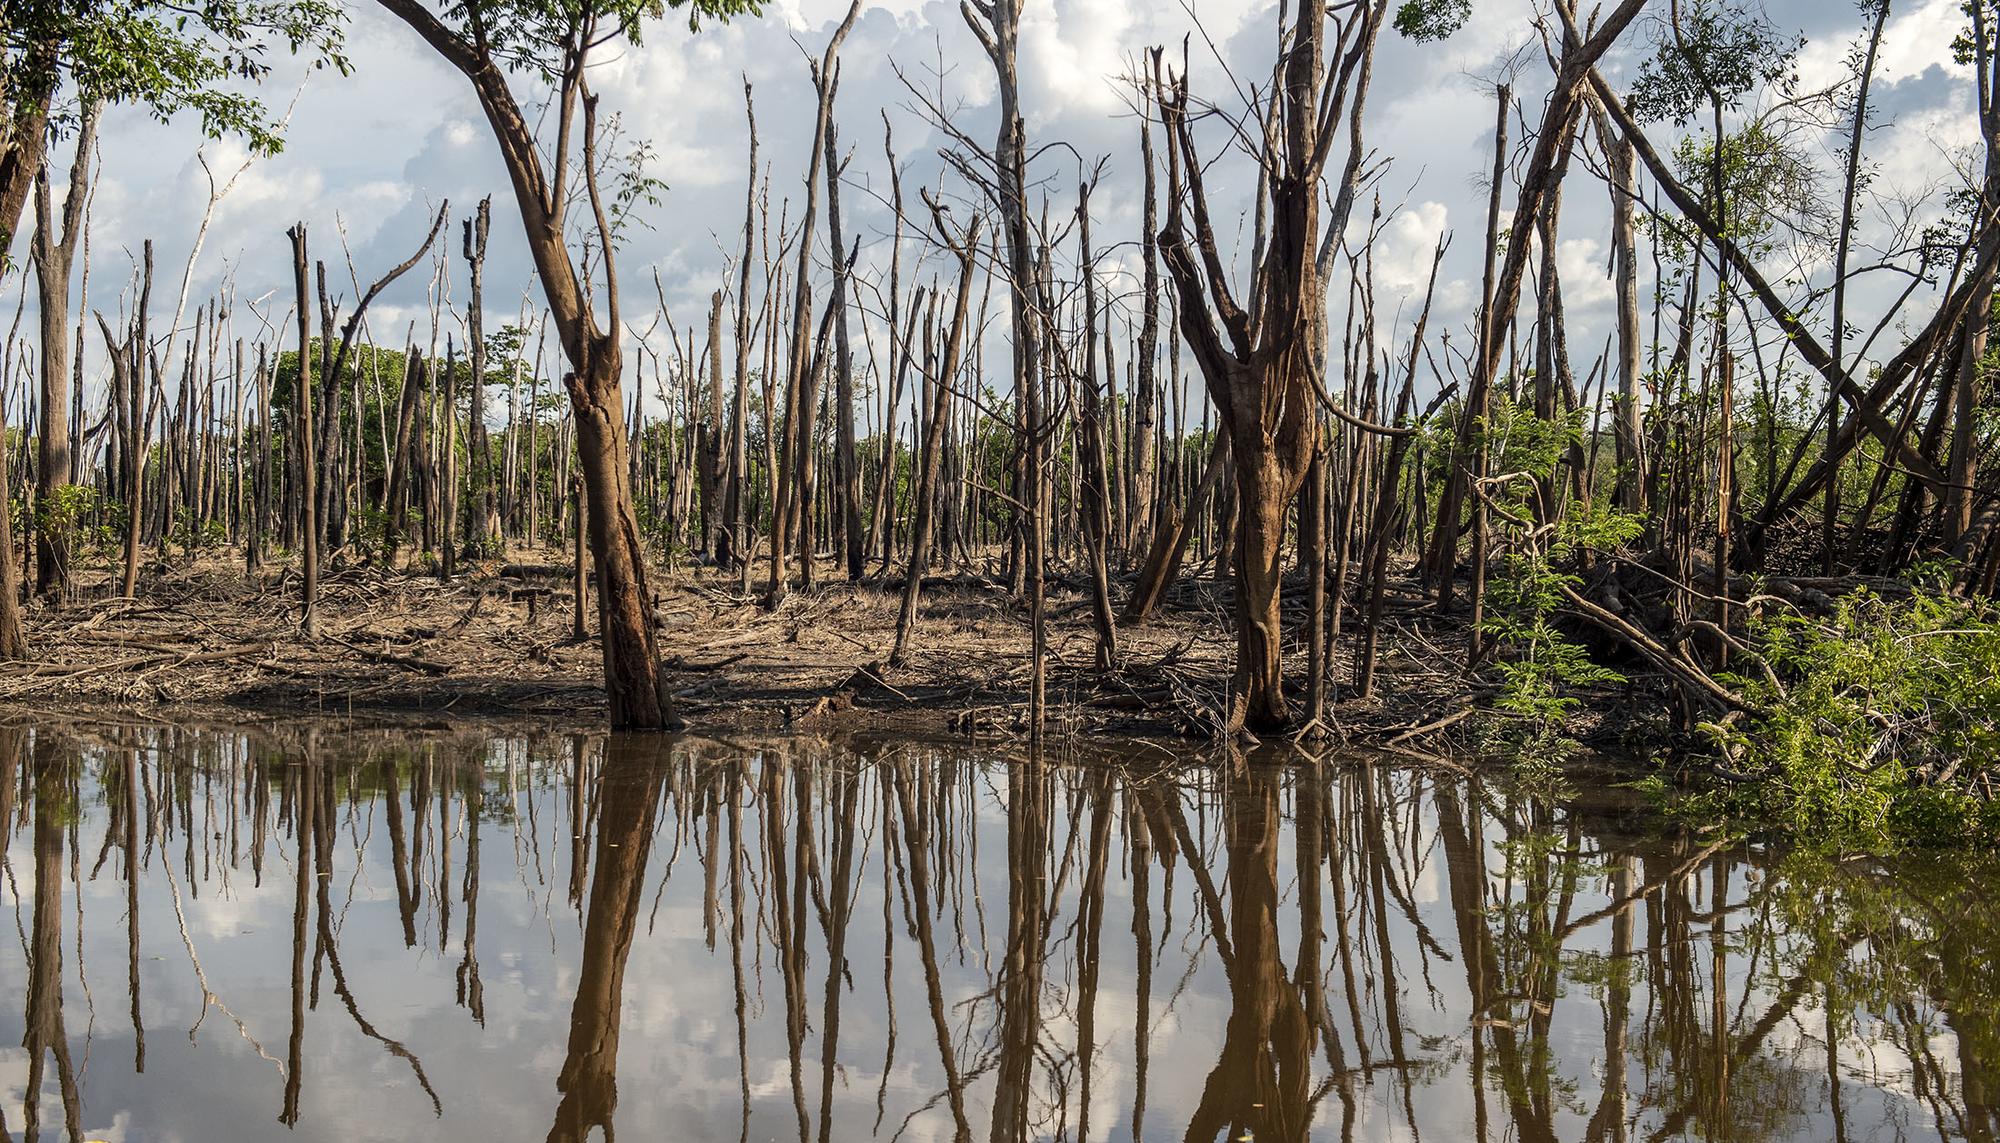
<point x="1259" y="363"/>
<point x="795" y="472"/>
<point x="302" y="422"/>
<point x="482" y="523"/>
<point x="847" y="478"/>
<point x="938" y="376"/>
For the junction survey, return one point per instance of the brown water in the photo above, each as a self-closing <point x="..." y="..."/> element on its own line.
<point x="329" y="935"/>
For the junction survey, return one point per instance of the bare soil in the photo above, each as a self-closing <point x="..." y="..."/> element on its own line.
<point x="207" y="639"/>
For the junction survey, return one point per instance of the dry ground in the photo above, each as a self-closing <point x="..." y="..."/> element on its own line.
<point x="206" y="638"/>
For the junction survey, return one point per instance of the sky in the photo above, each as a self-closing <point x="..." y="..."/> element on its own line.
<point x="370" y="156"/>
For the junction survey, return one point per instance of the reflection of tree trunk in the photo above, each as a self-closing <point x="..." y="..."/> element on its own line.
<point x="1261" y="1079"/>
<point x="1090" y="914"/>
<point x="1608" y="1122"/>
<point x="132" y="903"/>
<point x="323" y="816"/>
<point x="1020" y="987"/>
<point x="1309" y="834"/>
<point x="1466" y="875"/>
<point x="736" y="933"/>
<point x="471" y="992"/>
<point x="45" y="1032"/>
<point x="302" y="828"/>
<point x="628" y="790"/>
<point x="1372" y="821"/>
<point x="579" y="821"/>
<point x="1142" y="941"/>
<point x="399" y="854"/>
<point x="842" y="887"/>
<point x="788" y="916"/>
<point x="916" y="837"/>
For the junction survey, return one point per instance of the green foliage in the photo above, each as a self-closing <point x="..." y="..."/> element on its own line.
<point x="1766" y="179"/>
<point x="167" y="58"/>
<point x="195" y="538"/>
<point x="1881" y="724"/>
<point x="1538" y="666"/>
<point x="1717" y="52"/>
<point x="1427" y="21"/>
<point x="77" y="514"/>
<point x="529" y="35"/>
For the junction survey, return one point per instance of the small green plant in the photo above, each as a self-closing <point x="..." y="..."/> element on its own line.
<point x="195" y="537"/>
<point x="1538" y="665"/>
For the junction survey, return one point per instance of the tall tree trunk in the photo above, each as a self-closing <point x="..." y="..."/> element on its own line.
<point x="794" y="480"/>
<point x="302" y="425"/>
<point x="54" y="249"/>
<point x="925" y="476"/>
<point x="847" y="477"/>
<point x="136" y="415"/>
<point x="482" y="522"/>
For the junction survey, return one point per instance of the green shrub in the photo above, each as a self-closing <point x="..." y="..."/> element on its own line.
<point x="1880" y="723"/>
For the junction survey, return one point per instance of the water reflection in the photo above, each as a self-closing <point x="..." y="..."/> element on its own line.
<point x="373" y="936"/>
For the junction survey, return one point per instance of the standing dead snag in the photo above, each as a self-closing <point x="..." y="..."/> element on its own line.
<point x="13" y="642"/>
<point x="1538" y="185"/>
<point x="482" y="522"/>
<point x="997" y="25"/>
<point x="1259" y="363"/>
<point x="302" y="436"/>
<point x="925" y="478"/>
<point x="552" y="44"/>
<point x="1095" y="505"/>
<point x="794" y="477"/>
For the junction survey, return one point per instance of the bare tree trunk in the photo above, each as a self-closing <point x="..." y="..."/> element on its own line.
<point x="482" y="522"/>
<point x="302" y="423"/>
<point x="13" y="641"/>
<point x="847" y="476"/>
<point x="1628" y="434"/>
<point x="793" y="481"/>
<point x="1170" y="540"/>
<point x="136" y="418"/>
<point x="54" y="251"/>
<point x="736" y="495"/>
<point x="1094" y="504"/>
<point x="1468" y="454"/>
<point x="1962" y="466"/>
<point x="448" y="487"/>
<point x="924" y="494"/>
<point x="1144" y="494"/>
<point x="638" y="697"/>
<point x="395" y="513"/>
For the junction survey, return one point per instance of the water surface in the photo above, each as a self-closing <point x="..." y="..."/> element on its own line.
<point x="325" y="934"/>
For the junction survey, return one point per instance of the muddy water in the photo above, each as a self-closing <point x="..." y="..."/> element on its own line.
<point x="328" y="935"/>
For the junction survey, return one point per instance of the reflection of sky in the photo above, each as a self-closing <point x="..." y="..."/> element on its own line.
<point x="678" y="1063"/>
